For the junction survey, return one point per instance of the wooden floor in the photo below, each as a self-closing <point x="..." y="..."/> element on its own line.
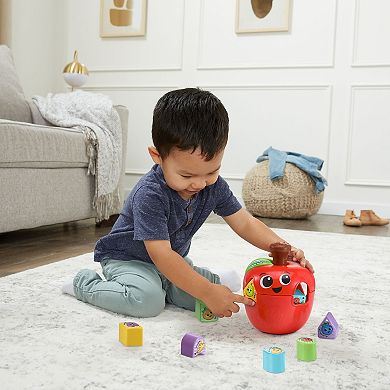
<point x="25" y="249"/>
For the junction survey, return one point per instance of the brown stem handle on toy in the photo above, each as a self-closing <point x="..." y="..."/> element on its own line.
<point x="280" y="252"/>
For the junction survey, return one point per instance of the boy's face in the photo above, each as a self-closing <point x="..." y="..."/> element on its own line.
<point x="187" y="173"/>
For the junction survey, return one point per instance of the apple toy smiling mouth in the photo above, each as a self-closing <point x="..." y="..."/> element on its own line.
<point x="277" y="289"/>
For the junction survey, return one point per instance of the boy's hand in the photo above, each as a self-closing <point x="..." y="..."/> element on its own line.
<point x="222" y="302"/>
<point x="299" y="257"/>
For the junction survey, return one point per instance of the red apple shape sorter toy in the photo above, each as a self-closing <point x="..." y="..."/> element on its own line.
<point x="329" y="328"/>
<point x="283" y="291"/>
<point x="130" y="334"/>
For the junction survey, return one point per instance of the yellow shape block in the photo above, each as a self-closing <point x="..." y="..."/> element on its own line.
<point x="131" y="334"/>
<point x="250" y="291"/>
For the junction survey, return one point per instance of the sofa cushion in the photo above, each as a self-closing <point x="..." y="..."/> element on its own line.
<point x="13" y="105"/>
<point x="26" y="145"/>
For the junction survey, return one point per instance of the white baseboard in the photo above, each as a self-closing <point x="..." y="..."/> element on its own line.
<point x="338" y="208"/>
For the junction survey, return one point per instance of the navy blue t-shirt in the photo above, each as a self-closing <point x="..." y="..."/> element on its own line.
<point x="153" y="211"/>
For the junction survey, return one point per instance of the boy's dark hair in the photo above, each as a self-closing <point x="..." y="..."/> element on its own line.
<point x="188" y="119"/>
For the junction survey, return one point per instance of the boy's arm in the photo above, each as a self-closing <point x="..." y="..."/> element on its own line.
<point x="260" y="235"/>
<point x="219" y="299"/>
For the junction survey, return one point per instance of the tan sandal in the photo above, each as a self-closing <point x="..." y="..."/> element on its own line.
<point x="368" y="217"/>
<point x="350" y="219"/>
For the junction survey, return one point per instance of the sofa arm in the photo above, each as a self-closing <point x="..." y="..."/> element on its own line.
<point x="37" y="118"/>
<point x="124" y="118"/>
<point x="123" y="112"/>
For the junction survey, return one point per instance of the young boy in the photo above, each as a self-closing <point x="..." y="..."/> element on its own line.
<point x="144" y="257"/>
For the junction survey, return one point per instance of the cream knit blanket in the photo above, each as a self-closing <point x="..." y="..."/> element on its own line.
<point x="96" y="117"/>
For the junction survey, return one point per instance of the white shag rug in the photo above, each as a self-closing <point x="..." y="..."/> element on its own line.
<point x="52" y="341"/>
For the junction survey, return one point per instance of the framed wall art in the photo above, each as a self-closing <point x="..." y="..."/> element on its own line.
<point x="122" y="18"/>
<point x="254" y="16"/>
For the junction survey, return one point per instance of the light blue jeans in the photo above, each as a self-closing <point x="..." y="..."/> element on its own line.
<point x="133" y="288"/>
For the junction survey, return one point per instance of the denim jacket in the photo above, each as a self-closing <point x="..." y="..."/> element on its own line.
<point x="310" y="165"/>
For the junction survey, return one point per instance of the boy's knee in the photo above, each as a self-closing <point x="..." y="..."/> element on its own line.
<point x="147" y="303"/>
<point x="84" y="281"/>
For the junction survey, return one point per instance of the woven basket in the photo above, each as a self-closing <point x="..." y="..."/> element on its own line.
<point x="293" y="196"/>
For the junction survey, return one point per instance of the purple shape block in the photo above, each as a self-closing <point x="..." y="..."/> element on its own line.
<point x="192" y="345"/>
<point x="329" y="328"/>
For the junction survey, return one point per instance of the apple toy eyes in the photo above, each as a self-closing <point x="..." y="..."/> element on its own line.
<point x="266" y="281"/>
<point x="285" y="279"/>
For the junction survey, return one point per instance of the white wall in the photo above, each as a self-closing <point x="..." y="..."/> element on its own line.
<point x="323" y="88"/>
<point x="35" y="33"/>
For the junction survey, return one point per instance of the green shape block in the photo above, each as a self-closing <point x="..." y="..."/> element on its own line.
<point x="306" y="349"/>
<point x="203" y="313"/>
<point x="258" y="263"/>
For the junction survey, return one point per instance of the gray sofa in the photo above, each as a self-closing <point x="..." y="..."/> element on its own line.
<point x="43" y="169"/>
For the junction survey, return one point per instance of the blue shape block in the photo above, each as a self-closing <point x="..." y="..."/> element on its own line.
<point x="299" y="295"/>
<point x="274" y="359"/>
